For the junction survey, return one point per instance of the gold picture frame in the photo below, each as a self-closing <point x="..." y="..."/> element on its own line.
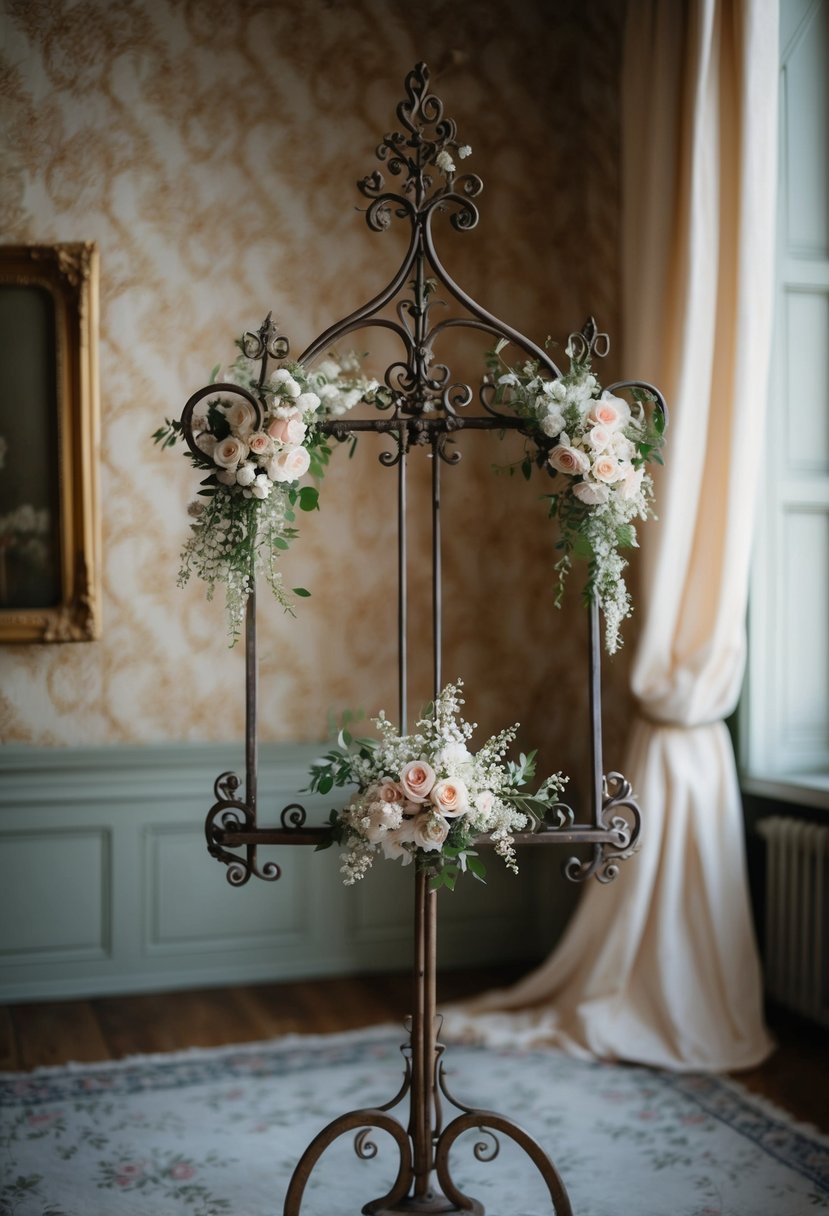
<point x="50" y="577"/>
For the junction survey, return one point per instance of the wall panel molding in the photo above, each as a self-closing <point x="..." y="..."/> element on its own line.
<point x="108" y="887"/>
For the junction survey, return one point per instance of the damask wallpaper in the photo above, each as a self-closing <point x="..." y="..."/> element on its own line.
<point x="211" y="149"/>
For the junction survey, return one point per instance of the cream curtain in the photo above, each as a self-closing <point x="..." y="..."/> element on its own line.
<point x="661" y="966"/>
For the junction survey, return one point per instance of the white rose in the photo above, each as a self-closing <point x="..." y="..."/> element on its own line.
<point x="245" y="474"/>
<point x="227" y="477"/>
<point x="599" y="438"/>
<point x="552" y="423"/>
<point x="280" y="375"/>
<point x="206" y="443"/>
<point x="416" y="779"/>
<point x="307" y="402"/>
<point x="229" y="452"/>
<point x="429" y="831"/>
<point x="261" y="486"/>
<point x="465" y="151"/>
<point x="631" y="483"/>
<point x="241" y="417"/>
<point x="567" y="459"/>
<point x="593" y="493"/>
<point x="291" y="387"/>
<point x="623" y="447"/>
<point x="454" y="758"/>
<point x="289" y="465"/>
<point x="329" y="391"/>
<point x="394" y="840"/>
<point x="450" y="796"/>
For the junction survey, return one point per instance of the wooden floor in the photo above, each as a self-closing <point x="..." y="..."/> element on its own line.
<point x="796" y="1077"/>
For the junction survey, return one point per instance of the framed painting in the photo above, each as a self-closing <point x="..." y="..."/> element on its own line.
<point x="49" y="519"/>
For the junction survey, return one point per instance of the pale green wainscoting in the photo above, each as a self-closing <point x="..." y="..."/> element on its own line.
<point x="106" y="885"/>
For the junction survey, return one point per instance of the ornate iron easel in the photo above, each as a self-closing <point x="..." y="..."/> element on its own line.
<point x="422" y="410"/>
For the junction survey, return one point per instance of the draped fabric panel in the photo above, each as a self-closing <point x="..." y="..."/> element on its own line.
<point x="661" y="966"/>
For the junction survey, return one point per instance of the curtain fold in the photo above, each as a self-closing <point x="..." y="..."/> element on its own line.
<point x="661" y="966"/>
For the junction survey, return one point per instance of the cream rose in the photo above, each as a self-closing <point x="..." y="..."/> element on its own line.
<point x="450" y="796"/>
<point x="229" y="452"/>
<point x="612" y="412"/>
<point x="429" y="831"/>
<point x="606" y="468"/>
<point x="241" y="417"/>
<point x="566" y="459"/>
<point x="206" y="443"/>
<point x="289" y="465"/>
<point x="416" y="780"/>
<point x="289" y="430"/>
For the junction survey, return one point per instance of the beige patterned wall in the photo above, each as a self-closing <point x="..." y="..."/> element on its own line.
<point x="211" y="148"/>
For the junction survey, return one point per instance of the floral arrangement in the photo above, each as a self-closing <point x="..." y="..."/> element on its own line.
<point x="425" y="797"/>
<point x="597" y="446"/>
<point x="249" y="494"/>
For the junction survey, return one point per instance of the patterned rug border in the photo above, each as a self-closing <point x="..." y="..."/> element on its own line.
<point x="794" y="1144"/>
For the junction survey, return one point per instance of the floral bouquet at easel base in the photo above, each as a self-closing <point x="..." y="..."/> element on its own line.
<point x="425" y="797"/>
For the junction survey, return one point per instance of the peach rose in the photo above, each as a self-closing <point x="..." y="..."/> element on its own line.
<point x="260" y="444"/>
<point x="566" y="459"/>
<point x="450" y="796"/>
<point x="416" y="780"/>
<point x="612" y="412"/>
<point x="289" y="430"/>
<point x="389" y="791"/>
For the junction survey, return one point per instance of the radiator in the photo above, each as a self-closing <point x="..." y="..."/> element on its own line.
<point x="797" y="915"/>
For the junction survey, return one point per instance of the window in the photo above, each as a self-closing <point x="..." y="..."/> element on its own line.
<point x="786" y="720"/>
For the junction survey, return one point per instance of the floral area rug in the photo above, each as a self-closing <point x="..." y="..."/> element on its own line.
<point x="211" y="1132"/>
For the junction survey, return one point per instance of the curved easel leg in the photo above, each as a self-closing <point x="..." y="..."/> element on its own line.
<point x="352" y="1121"/>
<point x="483" y="1119"/>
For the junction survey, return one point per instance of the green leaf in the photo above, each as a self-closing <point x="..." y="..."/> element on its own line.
<point x="325" y="784"/>
<point x="214" y="373"/>
<point x="301" y="591"/>
<point x="309" y="498"/>
<point x="527" y="468"/>
<point x="475" y="866"/>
